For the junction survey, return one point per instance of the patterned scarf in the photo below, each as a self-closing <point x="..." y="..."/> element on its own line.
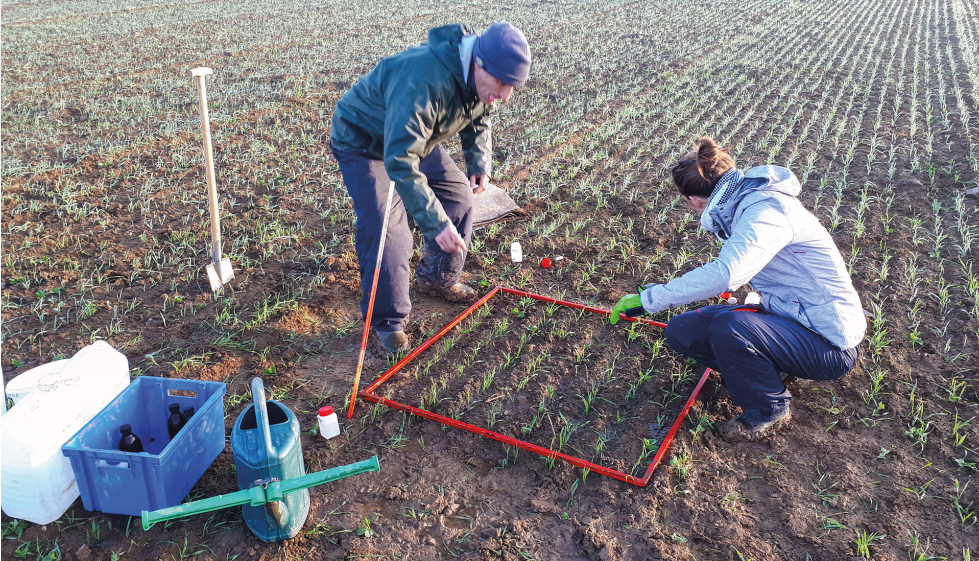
<point x="723" y="190"/>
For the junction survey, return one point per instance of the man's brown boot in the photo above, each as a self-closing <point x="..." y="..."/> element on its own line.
<point x="458" y="292"/>
<point x="394" y="341"/>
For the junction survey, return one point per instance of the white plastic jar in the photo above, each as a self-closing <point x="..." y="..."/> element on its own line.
<point x="329" y="426"/>
<point x="516" y="252"/>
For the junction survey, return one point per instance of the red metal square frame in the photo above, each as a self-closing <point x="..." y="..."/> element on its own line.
<point x="368" y="394"/>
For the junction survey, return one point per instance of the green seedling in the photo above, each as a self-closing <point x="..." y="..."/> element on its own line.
<point x="589" y="397"/>
<point x="864" y="541"/>
<point x="967" y="516"/>
<point x="919" y="493"/>
<point x="681" y="464"/>
<point x="963" y="464"/>
<point x="831" y="524"/>
<point x="823" y="486"/>
<point x="415" y="514"/>
<point x="365" y="529"/>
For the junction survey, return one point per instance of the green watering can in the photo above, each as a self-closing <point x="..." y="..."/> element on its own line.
<point x="272" y="476"/>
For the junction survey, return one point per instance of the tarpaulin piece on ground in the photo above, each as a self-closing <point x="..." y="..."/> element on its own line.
<point x="493" y="205"/>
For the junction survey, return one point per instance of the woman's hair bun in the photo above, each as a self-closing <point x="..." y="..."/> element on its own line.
<point x="712" y="160"/>
<point x="697" y="172"/>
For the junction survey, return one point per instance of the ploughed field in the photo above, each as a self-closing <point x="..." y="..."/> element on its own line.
<point x="874" y="105"/>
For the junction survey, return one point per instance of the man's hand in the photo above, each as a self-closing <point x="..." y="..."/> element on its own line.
<point x="450" y="241"/>
<point x="630" y="306"/>
<point x="478" y="183"/>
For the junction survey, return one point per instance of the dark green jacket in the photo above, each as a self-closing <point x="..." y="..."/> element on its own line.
<point x="404" y="108"/>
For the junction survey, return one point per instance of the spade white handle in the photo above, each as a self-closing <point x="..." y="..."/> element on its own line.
<point x="212" y="191"/>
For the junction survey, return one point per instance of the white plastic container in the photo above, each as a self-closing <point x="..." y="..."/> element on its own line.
<point x="516" y="252"/>
<point x="37" y="480"/>
<point x="26" y="382"/>
<point x="752" y="298"/>
<point x="329" y="426"/>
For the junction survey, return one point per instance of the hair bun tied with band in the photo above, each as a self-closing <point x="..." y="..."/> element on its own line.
<point x="699" y="170"/>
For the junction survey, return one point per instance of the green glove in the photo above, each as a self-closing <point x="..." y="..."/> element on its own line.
<point x="630" y="306"/>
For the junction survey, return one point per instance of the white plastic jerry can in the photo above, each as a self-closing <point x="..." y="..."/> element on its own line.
<point x="37" y="481"/>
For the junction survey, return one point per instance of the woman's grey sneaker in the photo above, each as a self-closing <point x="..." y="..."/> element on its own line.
<point x="740" y="430"/>
<point x="458" y="292"/>
<point x="394" y="341"/>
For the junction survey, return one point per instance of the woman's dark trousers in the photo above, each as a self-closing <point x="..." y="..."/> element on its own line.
<point x="750" y="348"/>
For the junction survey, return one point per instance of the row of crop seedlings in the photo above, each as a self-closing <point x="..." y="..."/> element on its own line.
<point x="944" y="230"/>
<point x="841" y="187"/>
<point x="937" y="269"/>
<point x="591" y="143"/>
<point x="837" y="108"/>
<point x="877" y="341"/>
<point x="966" y="17"/>
<point x="676" y="111"/>
<point x="827" y="126"/>
<point x="555" y="377"/>
<point x="548" y="170"/>
<point x="561" y="90"/>
<point x="875" y="145"/>
<point x="961" y="109"/>
<point x="785" y="86"/>
<point x="568" y="94"/>
<point x="929" y="409"/>
<point x="734" y="106"/>
<point x="939" y="68"/>
<point x="959" y="24"/>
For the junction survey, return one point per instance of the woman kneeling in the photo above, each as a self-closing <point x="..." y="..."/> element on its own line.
<point x="810" y="321"/>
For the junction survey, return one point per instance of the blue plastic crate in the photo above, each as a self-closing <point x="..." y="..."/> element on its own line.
<point x="117" y="482"/>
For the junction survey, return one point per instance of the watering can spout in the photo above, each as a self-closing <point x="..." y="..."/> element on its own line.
<point x="270" y="470"/>
<point x="262" y="493"/>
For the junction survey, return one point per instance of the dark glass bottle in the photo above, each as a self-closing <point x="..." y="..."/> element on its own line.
<point x="129" y="441"/>
<point x="188" y="412"/>
<point x="176" y="421"/>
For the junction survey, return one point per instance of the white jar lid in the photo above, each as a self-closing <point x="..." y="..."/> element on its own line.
<point x="25" y="383"/>
<point x="49" y="382"/>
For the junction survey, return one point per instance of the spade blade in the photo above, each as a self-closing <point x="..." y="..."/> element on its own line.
<point x="220" y="274"/>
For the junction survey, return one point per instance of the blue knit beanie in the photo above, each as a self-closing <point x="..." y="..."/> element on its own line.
<point x="502" y="51"/>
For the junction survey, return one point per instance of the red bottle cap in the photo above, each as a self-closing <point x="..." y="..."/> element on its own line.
<point x="725" y="295"/>
<point x="545" y="262"/>
<point x="326" y="410"/>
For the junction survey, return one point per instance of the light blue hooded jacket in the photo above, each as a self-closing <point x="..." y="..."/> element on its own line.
<point x="773" y="242"/>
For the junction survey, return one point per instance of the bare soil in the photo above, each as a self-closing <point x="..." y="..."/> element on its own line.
<point x="111" y="243"/>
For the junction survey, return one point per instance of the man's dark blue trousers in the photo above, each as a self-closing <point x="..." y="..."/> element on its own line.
<point x="368" y="183"/>
<point x="750" y="347"/>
